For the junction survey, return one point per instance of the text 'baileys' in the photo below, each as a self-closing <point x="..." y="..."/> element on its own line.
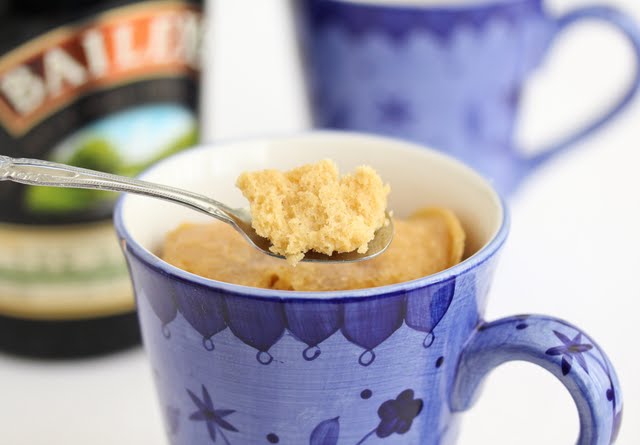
<point x="106" y="85"/>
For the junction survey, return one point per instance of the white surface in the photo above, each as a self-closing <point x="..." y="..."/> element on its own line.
<point x="573" y="251"/>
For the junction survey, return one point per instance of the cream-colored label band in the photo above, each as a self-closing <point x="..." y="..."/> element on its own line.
<point x="62" y="272"/>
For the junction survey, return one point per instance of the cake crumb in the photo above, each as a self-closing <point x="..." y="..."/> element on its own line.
<point x="313" y="208"/>
<point x="429" y="241"/>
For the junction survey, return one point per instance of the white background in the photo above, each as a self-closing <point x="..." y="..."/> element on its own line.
<point x="573" y="251"/>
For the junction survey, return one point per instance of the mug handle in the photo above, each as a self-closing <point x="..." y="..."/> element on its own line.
<point x="560" y="348"/>
<point x="629" y="28"/>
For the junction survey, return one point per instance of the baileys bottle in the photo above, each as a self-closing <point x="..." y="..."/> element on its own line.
<point x="107" y="85"/>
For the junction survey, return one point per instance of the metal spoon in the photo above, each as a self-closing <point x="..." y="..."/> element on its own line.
<point x="38" y="172"/>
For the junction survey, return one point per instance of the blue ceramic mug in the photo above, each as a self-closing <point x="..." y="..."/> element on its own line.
<point x="389" y="365"/>
<point x="446" y="76"/>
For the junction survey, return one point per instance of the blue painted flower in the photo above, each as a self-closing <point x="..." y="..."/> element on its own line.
<point x="213" y="417"/>
<point x="396" y="416"/>
<point x="326" y="433"/>
<point x="570" y="349"/>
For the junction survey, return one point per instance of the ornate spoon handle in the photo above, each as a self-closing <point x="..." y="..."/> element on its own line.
<point x="38" y="172"/>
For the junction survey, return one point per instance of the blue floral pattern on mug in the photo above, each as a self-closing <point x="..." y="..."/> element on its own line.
<point x="448" y="77"/>
<point x="326" y="433"/>
<point x="570" y="349"/>
<point x="582" y="350"/>
<point x="261" y="324"/>
<point x="574" y="346"/>
<point x="213" y="418"/>
<point x="396" y="416"/>
<point x="394" y="364"/>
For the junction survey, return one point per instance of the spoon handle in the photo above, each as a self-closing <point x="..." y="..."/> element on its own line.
<point x="45" y="173"/>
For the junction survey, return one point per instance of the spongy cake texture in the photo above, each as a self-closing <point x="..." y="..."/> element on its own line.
<point x="313" y="208"/>
<point x="429" y="241"/>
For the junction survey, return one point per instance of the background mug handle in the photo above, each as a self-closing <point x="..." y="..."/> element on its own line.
<point x="559" y="347"/>
<point x="629" y="28"/>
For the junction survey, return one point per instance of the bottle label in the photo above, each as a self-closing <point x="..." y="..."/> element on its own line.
<point x="125" y="44"/>
<point x="114" y="92"/>
<point x="62" y="272"/>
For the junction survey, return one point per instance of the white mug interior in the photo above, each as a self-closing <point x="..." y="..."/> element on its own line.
<point x="418" y="176"/>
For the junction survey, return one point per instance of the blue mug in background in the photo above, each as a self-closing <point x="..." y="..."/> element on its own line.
<point x="446" y="74"/>
<point x="395" y="364"/>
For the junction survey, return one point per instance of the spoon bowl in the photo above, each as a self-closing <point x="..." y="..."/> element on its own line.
<point x="44" y="173"/>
